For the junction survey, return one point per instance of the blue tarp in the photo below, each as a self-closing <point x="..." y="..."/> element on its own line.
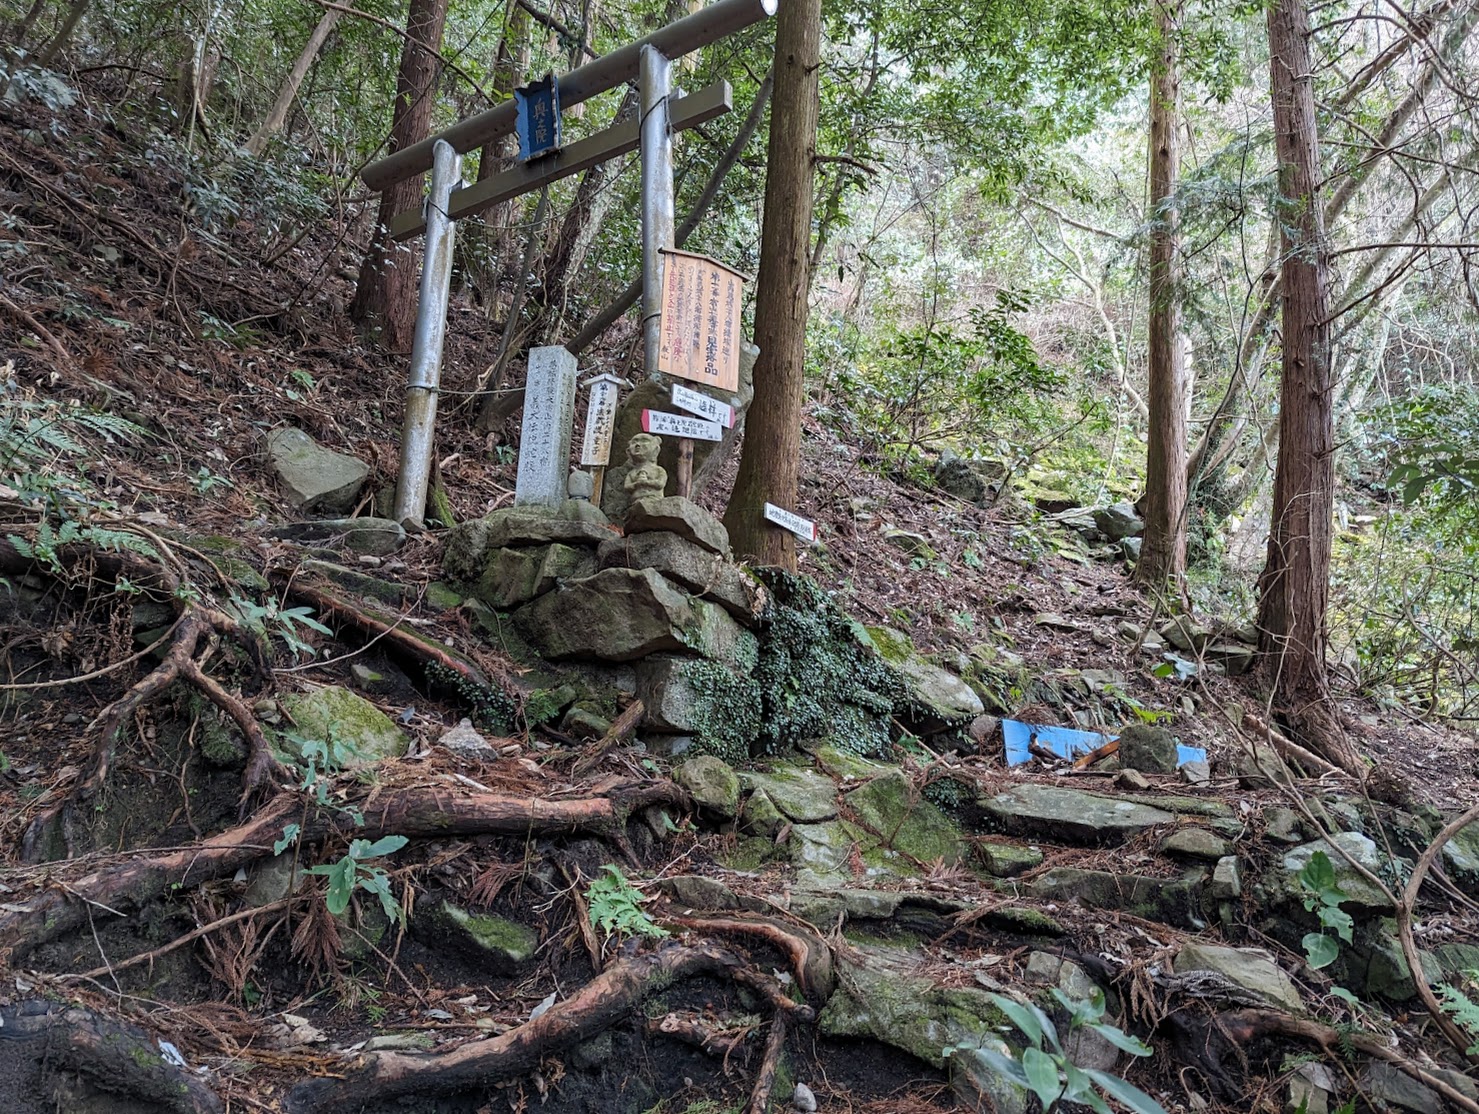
<point x="1067" y="742"/>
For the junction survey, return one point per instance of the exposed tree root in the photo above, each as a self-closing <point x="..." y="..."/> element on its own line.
<point x="811" y="958"/>
<point x="691" y="1028"/>
<point x="194" y="622"/>
<point x="601" y="1003"/>
<point x="1245" y="1025"/>
<point x="114" y="1056"/>
<point x="770" y="1064"/>
<point x="361" y="618"/>
<point x="418" y="813"/>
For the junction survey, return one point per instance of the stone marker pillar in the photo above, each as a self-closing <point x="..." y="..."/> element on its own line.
<point x="549" y="415"/>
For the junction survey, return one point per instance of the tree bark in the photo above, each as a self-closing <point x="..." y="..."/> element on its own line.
<point x="386" y="296"/>
<point x="1162" y="562"/>
<point x="1294" y="586"/>
<point x="272" y="123"/>
<point x="770" y="464"/>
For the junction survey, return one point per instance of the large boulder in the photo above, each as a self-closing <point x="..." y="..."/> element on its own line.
<point x="1050" y="812"/>
<point x="377" y="537"/>
<point x="1118" y="521"/>
<point x="1174" y="901"/>
<point x="627" y="614"/>
<point x="314" y="478"/>
<point x="680" y="516"/>
<point x="512" y="576"/>
<point x="936" y="699"/>
<point x="701" y="571"/>
<point x="355" y="732"/>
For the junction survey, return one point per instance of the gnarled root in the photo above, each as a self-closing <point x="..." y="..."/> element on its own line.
<point x="770" y="1065"/>
<point x="113" y="1056"/>
<point x="810" y="957"/>
<point x="610" y="996"/>
<point x="27" y="921"/>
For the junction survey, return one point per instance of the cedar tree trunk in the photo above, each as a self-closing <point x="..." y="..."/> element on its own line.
<point x="770" y="465"/>
<point x="1162" y="561"/>
<point x="1294" y="586"/>
<point x="386" y="297"/>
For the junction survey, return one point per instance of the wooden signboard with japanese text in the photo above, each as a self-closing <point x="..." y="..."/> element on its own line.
<point x="700" y="331"/>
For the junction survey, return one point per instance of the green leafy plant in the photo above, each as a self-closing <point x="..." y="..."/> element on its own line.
<point x="1322" y="897"/>
<point x="1463" y="1009"/>
<point x="616" y="906"/>
<point x="1044" y="1066"/>
<point x="352" y="872"/>
<point x="269" y="619"/>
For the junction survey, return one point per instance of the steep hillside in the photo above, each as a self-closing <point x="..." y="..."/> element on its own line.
<point x="705" y="836"/>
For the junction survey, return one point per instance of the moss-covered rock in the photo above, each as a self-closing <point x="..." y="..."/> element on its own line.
<point x="760" y="817"/>
<point x="512" y="576"/>
<point x="355" y="731"/>
<point x="902" y="819"/>
<point x="505" y="947"/>
<point x="935" y="699"/>
<point x="717" y="705"/>
<point x="880" y="995"/>
<point x="469" y="543"/>
<point x="712" y="784"/>
<point x="799" y="792"/>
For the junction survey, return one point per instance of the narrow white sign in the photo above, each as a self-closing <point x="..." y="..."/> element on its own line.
<point x="803" y="528"/>
<point x="600" y="419"/>
<point x="680" y="425"/>
<point x="702" y="405"/>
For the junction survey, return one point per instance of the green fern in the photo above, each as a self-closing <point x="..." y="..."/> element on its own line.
<point x="1462" y="1009"/>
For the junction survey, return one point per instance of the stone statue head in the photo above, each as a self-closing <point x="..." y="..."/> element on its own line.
<point x="643" y="449"/>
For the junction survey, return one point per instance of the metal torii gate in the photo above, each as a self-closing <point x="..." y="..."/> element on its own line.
<point x="650" y="61"/>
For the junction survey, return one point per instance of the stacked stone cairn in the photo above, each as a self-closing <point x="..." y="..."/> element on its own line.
<point x="661" y="601"/>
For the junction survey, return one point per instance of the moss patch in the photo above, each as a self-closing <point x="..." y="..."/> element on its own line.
<point x="819" y="676"/>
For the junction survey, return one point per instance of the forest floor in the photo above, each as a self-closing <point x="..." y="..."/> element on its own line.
<point x="124" y="288"/>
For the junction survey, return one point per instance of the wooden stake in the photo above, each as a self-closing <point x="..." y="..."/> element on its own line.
<point x="685" y="466"/>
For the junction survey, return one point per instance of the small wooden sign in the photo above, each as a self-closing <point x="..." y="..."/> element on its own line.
<point x="537" y="118"/>
<point x="600" y="419"/>
<point x="680" y="425"/>
<point x="803" y="528"/>
<point x="710" y="409"/>
<point x="699" y="336"/>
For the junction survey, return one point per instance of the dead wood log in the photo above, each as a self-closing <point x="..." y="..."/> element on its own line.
<point x="605" y="1000"/>
<point x="620" y="730"/>
<point x="809" y="955"/>
<point x="770" y="1066"/>
<point x="691" y="1028"/>
<point x="64" y="906"/>
<point x="113" y="1056"/>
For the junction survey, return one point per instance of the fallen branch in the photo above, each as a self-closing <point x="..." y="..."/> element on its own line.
<point x="46" y="335"/>
<point x="1288" y="748"/>
<point x="1405" y="908"/>
<point x="608" y="998"/>
<point x="622" y="728"/>
<point x="28" y="921"/>
<point x="690" y="1028"/>
<point x="115" y="1056"/>
<point x="770" y="1065"/>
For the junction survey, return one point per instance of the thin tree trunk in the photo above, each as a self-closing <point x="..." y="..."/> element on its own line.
<point x="48" y="53"/>
<point x="770" y="464"/>
<point x="1294" y="586"/>
<point x="273" y="122"/>
<point x="386" y="296"/>
<point x="500" y="247"/>
<point x="1163" y="549"/>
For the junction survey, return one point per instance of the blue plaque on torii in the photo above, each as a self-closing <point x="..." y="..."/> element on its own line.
<point x="537" y="121"/>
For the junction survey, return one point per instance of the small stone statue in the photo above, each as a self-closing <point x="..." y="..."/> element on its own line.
<point x="645" y="478"/>
<point x="581" y="485"/>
